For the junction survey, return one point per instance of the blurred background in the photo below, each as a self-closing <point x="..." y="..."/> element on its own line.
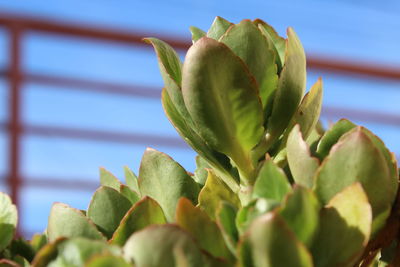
<point x="79" y="90"/>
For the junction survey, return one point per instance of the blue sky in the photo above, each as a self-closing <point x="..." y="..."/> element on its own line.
<point x="354" y="30"/>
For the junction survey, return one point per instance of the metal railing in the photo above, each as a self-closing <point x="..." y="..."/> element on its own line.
<point x="17" y="26"/>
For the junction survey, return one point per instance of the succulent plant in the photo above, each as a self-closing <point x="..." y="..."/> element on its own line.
<point x="271" y="188"/>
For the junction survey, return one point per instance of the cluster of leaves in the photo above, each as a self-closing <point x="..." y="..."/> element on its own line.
<point x="271" y="188"/>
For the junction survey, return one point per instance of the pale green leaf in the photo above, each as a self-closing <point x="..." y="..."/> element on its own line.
<point x="8" y="220"/>
<point x="164" y="180"/>
<point x="218" y="28"/>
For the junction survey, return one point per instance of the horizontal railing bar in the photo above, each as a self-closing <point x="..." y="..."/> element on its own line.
<point x="61" y="183"/>
<point x="81" y="30"/>
<point x="362" y="115"/>
<point x="100" y="135"/>
<point x="347" y="67"/>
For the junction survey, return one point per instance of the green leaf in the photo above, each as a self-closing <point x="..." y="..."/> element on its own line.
<point x="307" y="115"/>
<point x="278" y="44"/>
<point x="223" y="101"/>
<point x="218" y="28"/>
<point x="301" y="213"/>
<point x="170" y="68"/>
<point x="248" y="43"/>
<point x="225" y="217"/>
<point x="196" y="33"/>
<point x="302" y="165"/>
<point x="76" y="251"/>
<point x="107" y="261"/>
<point x="107" y="208"/>
<point x="217" y="160"/>
<point x="169" y="240"/>
<point x="291" y="85"/>
<point x="270" y="243"/>
<point x="8" y="220"/>
<point x="131" y="180"/>
<point x="215" y="191"/>
<point x="108" y="179"/>
<point x="65" y="221"/>
<point x="202" y="228"/>
<point x="47" y="253"/>
<point x="253" y="210"/>
<point x="345" y="228"/>
<point x="200" y="174"/>
<point x="355" y="158"/>
<point x="332" y="135"/>
<point x="38" y="241"/>
<point x="271" y="182"/>
<point x="127" y="192"/>
<point x="145" y="212"/>
<point x="164" y="180"/>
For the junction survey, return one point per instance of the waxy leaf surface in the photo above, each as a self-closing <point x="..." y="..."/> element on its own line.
<point x="218" y="28"/>
<point x="107" y="261"/>
<point x="131" y="180"/>
<point x="8" y="220"/>
<point x="65" y="221"/>
<point x="270" y="243"/>
<point x="333" y="135"/>
<point x="222" y="99"/>
<point x="291" y="86"/>
<point x="108" y="179"/>
<point x="202" y="228"/>
<point x="225" y="217"/>
<point x="355" y="158"/>
<point x="164" y="180"/>
<point x="248" y="43"/>
<point x="302" y="165"/>
<point x="144" y="213"/>
<point x="271" y="182"/>
<point x="196" y="33"/>
<point x="215" y="191"/>
<point x="216" y="159"/>
<point x="301" y="213"/>
<point x="107" y="208"/>
<point x="345" y="228"/>
<point x="168" y="241"/>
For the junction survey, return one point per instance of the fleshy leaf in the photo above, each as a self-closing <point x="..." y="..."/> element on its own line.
<point x="302" y="165"/>
<point x="200" y="174"/>
<point x="307" y="115"/>
<point x="301" y="213"/>
<point x="196" y="33"/>
<point x="217" y="160"/>
<point x="8" y="220"/>
<point x="108" y="179"/>
<point x="76" y="251"/>
<point x="218" y="28"/>
<point x="355" y="158"/>
<point x="170" y="68"/>
<point x="215" y="191"/>
<point x="223" y="101"/>
<point x="145" y="212"/>
<point x="47" y="253"/>
<point x="107" y="208"/>
<point x="127" y="192"/>
<point x="253" y="210"/>
<point x="291" y="86"/>
<point x="140" y="247"/>
<point x="65" y="221"/>
<point x="278" y="43"/>
<point x="332" y="135"/>
<point x="164" y="180"/>
<point x="107" y="261"/>
<point x="271" y="182"/>
<point x="248" y="43"/>
<point x="270" y="243"/>
<point x="225" y="217"/>
<point x="345" y="228"/>
<point x="202" y="228"/>
<point x="131" y="180"/>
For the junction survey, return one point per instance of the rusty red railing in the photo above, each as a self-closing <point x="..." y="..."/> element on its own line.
<point x="17" y="26"/>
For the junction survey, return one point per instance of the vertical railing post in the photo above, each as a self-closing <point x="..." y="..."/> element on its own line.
<point x="14" y="178"/>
